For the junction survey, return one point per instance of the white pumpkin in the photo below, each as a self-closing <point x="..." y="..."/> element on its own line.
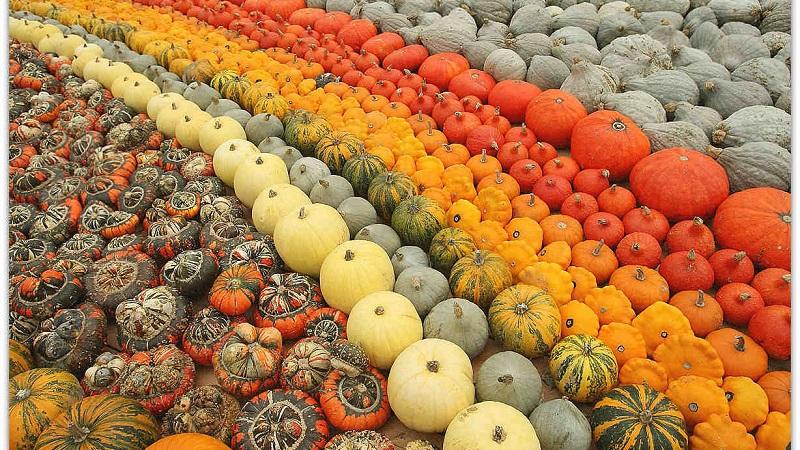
<point x="307" y="235"/>
<point x="354" y="270"/>
<point x="187" y="129"/>
<point x="384" y="324"/>
<point x="430" y="382"/>
<point x="40" y="31"/>
<point x="490" y="425"/>
<point x="49" y="42"/>
<point x="91" y="71"/>
<point x="139" y="94"/>
<point x="229" y="155"/>
<point x="256" y="173"/>
<point x="87" y="49"/>
<point x="85" y="57"/>
<point x="113" y="71"/>
<point x="274" y="203"/>
<point x="69" y="44"/>
<point x="121" y="83"/>
<point x="215" y="132"/>
<point x="168" y="117"/>
<point x="161" y="101"/>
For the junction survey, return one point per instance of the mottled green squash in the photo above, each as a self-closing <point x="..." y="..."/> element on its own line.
<point x="525" y="319"/>
<point x="448" y="246"/>
<point x="361" y="169"/>
<point x="336" y="149"/>
<point x="479" y="277"/>
<point x="583" y="367"/>
<point x="230" y="85"/>
<point x="303" y="130"/>
<point x="387" y="190"/>
<point x="417" y="220"/>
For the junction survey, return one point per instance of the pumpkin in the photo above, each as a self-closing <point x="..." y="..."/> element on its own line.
<point x="684" y="354"/>
<point x="639" y="248"/>
<point x="776" y="432"/>
<point x="658" y="322"/>
<point x="387" y="190"/>
<point x="643" y="286"/>
<point x="303" y="130"/>
<point x="429" y="383"/>
<point x="596" y="257"/>
<point x="236" y="289"/>
<point x="196" y="441"/>
<point x="551" y="278"/>
<point x="367" y="439"/>
<point x="246" y="360"/>
<point x="644" y="371"/>
<point x="691" y="234"/>
<point x="463" y="214"/>
<point x="583" y="367"/>
<point x="155" y="316"/>
<point x="479" y="277"/>
<point x="424" y="286"/>
<point x="740" y="355"/>
<point x="71" y="339"/>
<point x="731" y="266"/>
<point x="637" y="417"/>
<point x="232" y="154"/>
<point x="360" y="402"/>
<point x="646" y="220"/>
<point x="305" y="237"/>
<point x="697" y="398"/>
<point x="108" y="420"/>
<point x="490" y="424"/>
<point x="526" y="229"/>
<point x="448" y="246"/>
<point x="748" y="402"/>
<point x="256" y="173"/>
<point x="771" y="328"/>
<point x="494" y="205"/>
<point x="777" y="385"/>
<point x="361" y="169"/>
<point x="561" y="110"/>
<point x="286" y="303"/>
<point x="353" y="270"/>
<point x="625" y="341"/>
<point x="687" y="270"/>
<point x="623" y="143"/>
<point x="719" y="431"/>
<point x="384" y="324"/>
<point x="560" y="253"/>
<point x="558" y="227"/>
<point x="408" y="256"/>
<point x="577" y="318"/>
<point x="275" y="202"/>
<point x="509" y="378"/>
<point x="36" y="398"/>
<point x="703" y="311"/>
<point x="305" y="365"/>
<point x="458" y="321"/>
<point x="336" y="148"/>
<point x="156" y="378"/>
<point x="774" y="285"/>
<point x="219" y="130"/>
<point x="19" y="358"/>
<point x="610" y="304"/>
<point x="417" y="219"/>
<point x="326" y="323"/>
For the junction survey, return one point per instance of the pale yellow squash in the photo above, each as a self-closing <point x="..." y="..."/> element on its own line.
<point x="256" y="173"/>
<point x="354" y="270"/>
<point x="490" y="425"/>
<point x="307" y="235"/>
<point x="275" y="202"/>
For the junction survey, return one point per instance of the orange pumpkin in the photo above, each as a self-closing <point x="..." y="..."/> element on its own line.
<point x="643" y="285"/>
<point x="644" y="371"/>
<point x="195" y="441"/>
<point x="559" y="227"/>
<point x="529" y="205"/>
<point x="624" y="340"/>
<point x="777" y="385"/>
<point x="596" y="257"/>
<point x="741" y="356"/>
<point x="702" y="310"/>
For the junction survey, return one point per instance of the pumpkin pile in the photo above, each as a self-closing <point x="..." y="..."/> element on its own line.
<point x="466" y="224"/>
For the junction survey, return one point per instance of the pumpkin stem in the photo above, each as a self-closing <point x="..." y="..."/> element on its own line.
<point x="521" y="308"/>
<point x="613" y="188"/>
<point x="639" y="275"/>
<point x="379" y="310"/>
<point x="739" y="344"/>
<point x="416" y="283"/>
<point x="457" y="311"/>
<point x="739" y="256"/>
<point x="744" y="296"/>
<point x="349" y="255"/>
<point x="578" y="198"/>
<point x="787" y="278"/>
<point x="635" y="247"/>
<point x="498" y="178"/>
<point x="646" y="416"/>
<point x="531" y="199"/>
<point x="77" y="432"/>
<point x="505" y="379"/>
<point x="605" y="173"/>
<point x="691" y="255"/>
<point x="324" y="183"/>
<point x="483" y="154"/>
<point x="499" y="434"/>
<point x="432" y="366"/>
<point x="479" y="258"/>
<point x="697" y="220"/>
<point x="701" y="299"/>
<point x="596" y="250"/>
<point x="786" y="218"/>
<point x="272" y="194"/>
<point x="645" y="209"/>
<point x="302" y="213"/>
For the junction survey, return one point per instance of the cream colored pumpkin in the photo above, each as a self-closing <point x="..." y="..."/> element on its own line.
<point x="229" y="156"/>
<point x="187" y="129"/>
<point x="384" y="323"/>
<point x="111" y="72"/>
<point x="161" y="101"/>
<point x="40" y="31"/>
<point x="49" y="42"/>
<point x="274" y="203"/>
<point x="168" y="117"/>
<point x="121" y="83"/>
<point x="91" y="71"/>
<point x="354" y="270"/>
<point x="139" y="94"/>
<point x="307" y="235"/>
<point x="214" y="132"/>
<point x="256" y="173"/>
<point x="69" y="44"/>
<point x="87" y="50"/>
<point x="490" y="425"/>
<point x="430" y="382"/>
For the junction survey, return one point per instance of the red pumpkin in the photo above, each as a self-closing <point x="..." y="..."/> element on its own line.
<point x="687" y="271"/>
<point x="527" y="173"/>
<point x="771" y="327"/>
<point x="282" y="9"/>
<point x="580" y="205"/>
<point x="603" y="226"/>
<point x="409" y="57"/>
<point x="541" y="152"/>
<point x="692" y="233"/>
<point x="563" y="166"/>
<point x="552" y="115"/>
<point x="472" y="82"/>
<point x="484" y="137"/>
<point x="759" y="222"/>
<point x="640" y="249"/>
<point x="383" y="44"/>
<point x="731" y="266"/>
<point x="510" y="153"/>
<point x="681" y="183"/>
<point x="513" y="97"/>
<point x="459" y="125"/>
<point x="306" y="17"/>
<point x="739" y="302"/>
<point x="646" y="220"/>
<point x="775" y="286"/>
<point x="553" y="190"/>
<point x="591" y="181"/>
<point x="356" y="32"/>
<point x="616" y="200"/>
<point x="444" y="107"/>
<point x="498" y="121"/>
<point x="608" y="140"/>
<point x="439" y="69"/>
<point x="521" y="134"/>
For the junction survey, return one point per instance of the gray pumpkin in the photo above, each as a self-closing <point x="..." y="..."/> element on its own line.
<point x="413" y="7"/>
<point x="201" y="94"/>
<point x="582" y="15"/>
<point x="747" y="11"/>
<point x="289" y="155"/>
<point x="476" y="52"/>
<point x="357" y="213"/>
<point x="614" y="7"/>
<point x="219" y="106"/>
<point x="589" y="82"/>
<point x="784" y="55"/>
<point x="735" y="49"/>
<point x="653" y="19"/>
<point x="447" y="6"/>
<point x="755" y="164"/>
<point x="678" y="6"/>
<point x="560" y="425"/>
<point x="684" y="56"/>
<point x="262" y="126"/>
<point x="727" y="97"/>
<point x="77" y="30"/>
<point x="776" y="15"/>
<point x="497" y="10"/>
<point x="776" y="40"/>
<point x="411" y="35"/>
<point x="153" y="71"/>
<point x="553" y="10"/>
<point x="331" y="190"/>
<point x="450" y="33"/>
<point x="427" y="18"/>
<point x="270" y="143"/>
<point x="163" y="76"/>
<point x="635" y="56"/>
<point x="755" y="124"/>
<point x="700" y="72"/>
<point x="696" y="17"/>
<point x="703" y="117"/>
<point x="668" y="86"/>
<point x="393" y="22"/>
<point x="675" y="134"/>
<point x="572" y="53"/>
<point x="573" y="35"/>
<point x="640" y="106"/>
<point x="424" y="286"/>
<point x="504" y="64"/>
<point x="668" y="35"/>
<point x="340" y="5"/>
<point x="494" y="32"/>
<point x="767" y="72"/>
<point x="371" y="11"/>
<point x="547" y="72"/>
<point x="784" y="102"/>
<point x="409" y="256"/>
<point x="306" y="173"/>
<point x="174" y="86"/>
<point x="460" y="322"/>
<point x="530" y="19"/>
<point x="519" y="4"/>
<point x="705" y="36"/>
<point x="509" y="378"/>
<point x="382" y="235"/>
<point x="617" y="25"/>
<point x="740" y="28"/>
<point x="529" y="45"/>
<point x="239" y="115"/>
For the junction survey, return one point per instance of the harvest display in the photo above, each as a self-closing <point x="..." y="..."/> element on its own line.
<point x="451" y="224"/>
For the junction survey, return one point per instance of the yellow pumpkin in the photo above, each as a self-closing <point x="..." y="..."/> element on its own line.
<point x="187" y="130"/>
<point x="583" y="281"/>
<point x="748" y="402"/>
<point x="557" y="252"/>
<point x="161" y="101"/>
<point x="551" y="278"/>
<point x="258" y="172"/>
<point x="577" y="318"/>
<point x="776" y="433"/>
<point x="230" y="155"/>
<point x="610" y="304"/>
<point x="306" y="236"/>
<point x="697" y="398"/>
<point x="525" y="319"/>
<point x="354" y="270"/>
<point x="490" y="425"/>
<point x="138" y="94"/>
<point x="583" y="368"/>
<point x="217" y="131"/>
<point x="658" y="322"/>
<point x="274" y="202"/>
<point x="720" y="432"/>
<point x="19" y="358"/>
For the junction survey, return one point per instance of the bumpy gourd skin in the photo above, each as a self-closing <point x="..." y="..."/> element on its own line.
<point x="204" y="409"/>
<point x="71" y="339"/>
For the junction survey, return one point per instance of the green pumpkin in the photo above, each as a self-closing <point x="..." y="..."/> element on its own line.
<point x="479" y="277"/>
<point x="361" y="169"/>
<point x="200" y="71"/>
<point x="583" y="367"/>
<point x="525" y="319"/>
<point x="230" y="84"/>
<point x="417" y="220"/>
<point x="171" y="53"/>
<point x="448" y="246"/>
<point x="637" y="417"/>
<point x="303" y="130"/>
<point x="336" y="148"/>
<point x="387" y="190"/>
<point x="116" y="31"/>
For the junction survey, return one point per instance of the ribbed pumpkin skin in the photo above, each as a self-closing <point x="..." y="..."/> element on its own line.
<point x="188" y="441"/>
<point x="171" y="53"/>
<point x="303" y="130"/>
<point x="417" y="220"/>
<point x="525" y="319"/>
<point x="36" y="397"/>
<point x="19" y="358"/>
<point x="608" y="140"/>
<point x="617" y="420"/>
<point x="583" y="367"/>
<point x="448" y="246"/>
<point x="479" y="277"/>
<point x="361" y="169"/>
<point x="387" y="190"/>
<point x="114" y="422"/>
<point x="336" y="149"/>
<point x="230" y="85"/>
<point x="201" y="71"/>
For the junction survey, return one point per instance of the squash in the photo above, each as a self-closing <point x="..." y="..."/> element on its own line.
<point x="429" y="383"/>
<point x="307" y="235"/>
<point x="551" y="278"/>
<point x="155" y="394"/>
<point x="36" y="398"/>
<point x="357" y="402"/>
<point x="255" y="174"/>
<point x="625" y="341"/>
<point x="361" y="169"/>
<point x="387" y="190"/>
<point x="305" y="365"/>
<point x="213" y="133"/>
<point x="408" y="256"/>
<point x="246" y="360"/>
<point x="637" y="417"/>
<point x="685" y="354"/>
<point x="108" y="421"/>
<point x="448" y="246"/>
<point x="748" y="402"/>
<point x="155" y="316"/>
<point x="577" y="318"/>
<point x="560" y="424"/>
<point x="424" y="286"/>
<point x="697" y="398"/>
<point x="274" y="203"/>
<point x="583" y="367"/>
<point x="771" y="328"/>
<point x="624" y="143"/>
<point x="307" y="172"/>
<point x="230" y="155"/>
<point x="775" y="433"/>
<point x="353" y="270"/>
<point x="525" y="319"/>
<point x="138" y="94"/>
<point x="71" y="339"/>
<point x="642" y="285"/>
<point x="562" y="111"/>
<point x="745" y="172"/>
<point x="509" y="378"/>
<point x="777" y="385"/>
<point x="19" y="358"/>
<point x="658" y="322"/>
<point x="384" y="324"/>
<point x="488" y="425"/>
<point x="460" y="322"/>
<point x="196" y="441"/>
<point x="336" y="149"/>
<point x="610" y="304"/>
<point x="417" y="219"/>
<point x="303" y="130"/>
<point x="644" y="371"/>
<point x="719" y="431"/>
<point x="740" y="355"/>
<point x="480" y="277"/>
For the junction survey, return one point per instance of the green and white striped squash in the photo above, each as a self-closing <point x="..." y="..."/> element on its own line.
<point x="417" y="220"/>
<point x="387" y="190"/>
<point x="361" y="169"/>
<point x="583" y="367"/>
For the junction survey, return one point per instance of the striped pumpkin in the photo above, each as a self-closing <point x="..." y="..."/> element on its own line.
<point x="230" y="84"/>
<point x="36" y="397"/>
<point x="417" y="220"/>
<point x="583" y="367"/>
<point x="448" y="246"/>
<point x="271" y="103"/>
<point x="256" y="92"/>
<point x="336" y="149"/>
<point x="201" y="71"/>
<point x="19" y="358"/>
<point x="387" y="190"/>
<point x="479" y="277"/>
<point x="525" y="319"/>
<point x="361" y="169"/>
<point x="637" y="417"/>
<point x="302" y="129"/>
<point x="108" y="422"/>
<point x="172" y="53"/>
<point x="154" y="48"/>
<point x="116" y="31"/>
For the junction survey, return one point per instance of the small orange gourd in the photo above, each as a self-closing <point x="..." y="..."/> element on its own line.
<point x="778" y="386"/>
<point x="747" y="401"/>
<point x="440" y="196"/>
<point x="559" y="227"/>
<point x="660" y="321"/>
<point x="702" y="310"/>
<point x="582" y="280"/>
<point x="644" y="371"/>
<point x="624" y="340"/>
<point x="718" y="431"/>
<point x="596" y="257"/>
<point x="452" y="154"/>
<point x="577" y="318"/>
<point x="698" y="398"/>
<point x="557" y="252"/>
<point x="518" y="255"/>
<point x="610" y="304"/>
<point x="488" y="234"/>
<point x="525" y="229"/>
<point x="643" y="285"/>
<point x="463" y="214"/>
<point x="405" y="164"/>
<point x="529" y="205"/>
<point x="483" y="165"/>
<point x="502" y="181"/>
<point x="685" y="354"/>
<point x="494" y="205"/>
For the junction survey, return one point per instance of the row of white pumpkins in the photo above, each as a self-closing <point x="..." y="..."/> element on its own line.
<point x="430" y="384"/>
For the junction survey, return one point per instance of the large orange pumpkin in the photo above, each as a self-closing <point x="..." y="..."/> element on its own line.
<point x="439" y="69"/>
<point x="608" y="140"/>
<point x="552" y="115"/>
<point x="193" y="441"/>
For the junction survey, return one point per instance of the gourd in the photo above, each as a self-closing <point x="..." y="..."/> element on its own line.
<point x="631" y="57"/>
<point x="122" y="82"/>
<point x="504" y="64"/>
<point x="617" y="25"/>
<point x="256" y="173"/>
<point x="748" y="402"/>
<point x="625" y="144"/>
<point x="353" y="270"/>
<point x="262" y="126"/>
<point x="170" y="116"/>
<point x="197" y="441"/>
<point x="188" y="128"/>
<point x="336" y="149"/>
<point x="575" y="52"/>
<point x="754" y="124"/>
<point x="239" y="115"/>
<point x="775" y="16"/>
<point x="490" y="424"/>
<point x="640" y="107"/>
<point x="408" y="256"/>
<point x="668" y="87"/>
<point x="772" y="74"/>
<point x="719" y="431"/>
<point x="480" y="277"/>
<point x="588" y="82"/>
<point x="581" y="15"/>
<point x="776" y="432"/>
<point x="417" y="219"/>
<point x="306" y="236"/>
<point x="745" y="170"/>
<point x="525" y="319"/>
<point x="675" y="134"/>
<point x="201" y="94"/>
<point x="560" y="424"/>
<point x="727" y="97"/>
<point x="160" y="102"/>
<point x="274" y="203"/>
<point x="138" y="94"/>
<point x="510" y="378"/>
<point x="217" y="131"/>
<point x="546" y="72"/>
<point x="306" y="173"/>
<point x="448" y="34"/>
<point x="384" y="324"/>
<point x="229" y="156"/>
<point x="218" y="107"/>
<point x="460" y="322"/>
<point x="685" y="56"/>
<point x="429" y="383"/>
<point x="19" y="357"/>
<point x="583" y="367"/>
<point x="277" y="147"/>
<point x="703" y="117"/>
<point x="331" y="190"/>
<point x="357" y="213"/>
<point x="382" y="235"/>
